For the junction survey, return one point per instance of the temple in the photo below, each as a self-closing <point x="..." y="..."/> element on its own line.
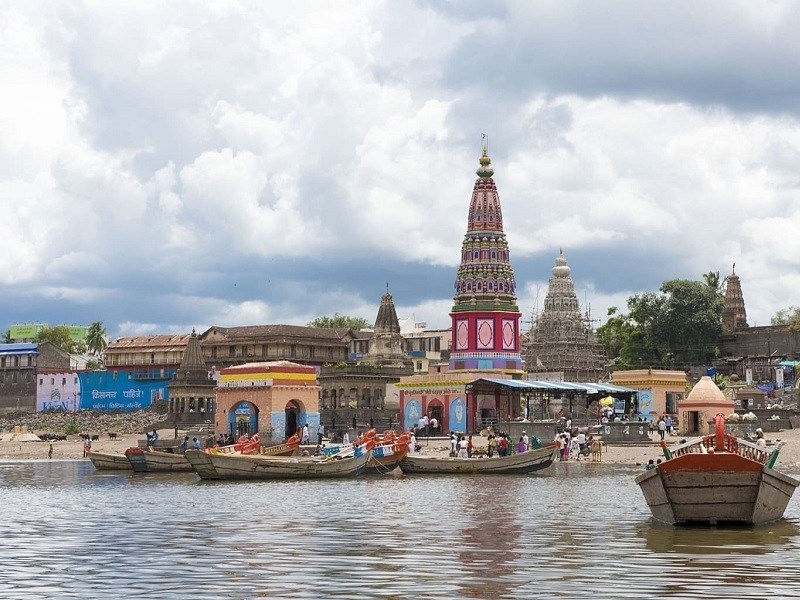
<point x="561" y="342"/>
<point x="485" y="337"/>
<point x="734" y="315"/>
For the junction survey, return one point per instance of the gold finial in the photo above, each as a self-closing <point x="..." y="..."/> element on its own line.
<point x="485" y="170"/>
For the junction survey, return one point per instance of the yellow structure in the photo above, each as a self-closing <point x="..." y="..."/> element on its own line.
<point x="659" y="391"/>
<point x="273" y="399"/>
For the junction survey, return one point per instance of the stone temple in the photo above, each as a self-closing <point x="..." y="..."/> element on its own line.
<point x="561" y="342"/>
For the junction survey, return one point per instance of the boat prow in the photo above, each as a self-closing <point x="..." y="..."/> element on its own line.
<point x="107" y="461"/>
<point x="717" y="479"/>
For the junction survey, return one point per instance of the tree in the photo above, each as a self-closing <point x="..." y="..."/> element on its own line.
<point x="713" y="281"/>
<point x="788" y="316"/>
<point x="678" y="326"/>
<point x="338" y="321"/>
<point x="58" y="336"/>
<point x="96" y="338"/>
<point x="7" y="337"/>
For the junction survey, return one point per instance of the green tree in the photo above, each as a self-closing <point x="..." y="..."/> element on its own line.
<point x="679" y="325"/>
<point x="96" y="338"/>
<point x="338" y="321"/>
<point x="788" y="316"/>
<point x="58" y="336"/>
<point x="7" y="336"/>
<point x="713" y="281"/>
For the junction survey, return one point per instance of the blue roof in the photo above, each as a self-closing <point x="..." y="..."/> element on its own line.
<point x="21" y="348"/>
<point x="588" y="388"/>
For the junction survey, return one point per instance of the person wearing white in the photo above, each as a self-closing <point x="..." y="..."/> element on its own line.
<point x="462" y="448"/>
<point x="453" y="444"/>
<point x="345" y="438"/>
<point x="412" y="443"/>
<point x="526" y="441"/>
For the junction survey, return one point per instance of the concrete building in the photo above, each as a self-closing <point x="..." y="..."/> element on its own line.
<point x="659" y="391"/>
<point x="700" y="406"/>
<point x="20" y="365"/>
<point x="272" y="399"/>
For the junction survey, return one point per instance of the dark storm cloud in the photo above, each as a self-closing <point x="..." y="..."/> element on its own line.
<point x="735" y="55"/>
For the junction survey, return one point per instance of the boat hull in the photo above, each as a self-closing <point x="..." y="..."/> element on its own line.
<point x="384" y="464"/>
<point x="532" y="461"/>
<point x="166" y="462"/>
<point x="701" y="490"/>
<point x="255" y="467"/>
<point x="106" y="461"/>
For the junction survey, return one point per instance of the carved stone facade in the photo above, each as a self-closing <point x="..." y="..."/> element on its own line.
<point x="561" y="339"/>
<point x="734" y="314"/>
<point x="191" y="393"/>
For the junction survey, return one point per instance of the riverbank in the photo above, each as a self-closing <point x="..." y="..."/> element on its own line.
<point x="72" y="448"/>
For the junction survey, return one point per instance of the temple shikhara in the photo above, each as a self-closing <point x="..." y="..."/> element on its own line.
<point x="561" y="341"/>
<point x="485" y="325"/>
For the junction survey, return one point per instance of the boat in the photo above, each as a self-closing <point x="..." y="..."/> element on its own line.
<point x="717" y="478"/>
<point x="252" y="445"/>
<point x="532" y="461"/>
<point x="107" y="461"/>
<point x="253" y="466"/>
<point x="389" y="450"/>
<point x="156" y="461"/>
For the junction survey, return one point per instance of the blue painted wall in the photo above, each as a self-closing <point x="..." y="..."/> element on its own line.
<point x="105" y="390"/>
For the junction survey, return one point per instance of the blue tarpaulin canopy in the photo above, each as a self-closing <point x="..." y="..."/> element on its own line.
<point x="789" y="363"/>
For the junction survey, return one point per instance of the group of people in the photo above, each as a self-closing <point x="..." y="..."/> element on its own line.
<point x="574" y="443"/>
<point x="184" y="445"/>
<point x="427" y="425"/>
<point x="664" y="426"/>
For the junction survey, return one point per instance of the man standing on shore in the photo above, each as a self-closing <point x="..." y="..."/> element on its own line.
<point x="662" y="427"/>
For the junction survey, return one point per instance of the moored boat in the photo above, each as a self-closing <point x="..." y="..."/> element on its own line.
<point x="252" y="445"/>
<point x="108" y="461"/>
<point x="254" y="466"/>
<point x="389" y="450"/>
<point x="717" y="478"/>
<point x="532" y="461"/>
<point x="165" y="462"/>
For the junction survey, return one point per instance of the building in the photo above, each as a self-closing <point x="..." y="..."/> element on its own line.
<point x="696" y="411"/>
<point x="485" y="336"/>
<point x="20" y="365"/>
<point x="227" y="346"/>
<point x="191" y="392"/>
<point x="272" y="399"/>
<point x="353" y="395"/>
<point x="765" y="356"/>
<point x="146" y="356"/>
<point x="561" y="339"/>
<point x="658" y="391"/>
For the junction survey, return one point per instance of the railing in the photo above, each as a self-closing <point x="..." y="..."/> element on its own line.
<point x="732" y="444"/>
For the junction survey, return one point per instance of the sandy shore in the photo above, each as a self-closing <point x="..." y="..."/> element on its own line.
<point x="612" y="454"/>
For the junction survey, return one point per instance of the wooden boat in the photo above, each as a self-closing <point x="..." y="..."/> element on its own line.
<point x="718" y="478"/>
<point x="525" y="462"/>
<point x="247" y="445"/>
<point x="135" y="457"/>
<point x="107" y="461"/>
<point x="241" y="466"/>
<point x="389" y="450"/>
<point x="165" y="462"/>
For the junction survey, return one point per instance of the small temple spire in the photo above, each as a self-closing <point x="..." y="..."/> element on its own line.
<point x="485" y="170"/>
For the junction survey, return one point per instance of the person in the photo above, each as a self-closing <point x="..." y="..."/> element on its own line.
<point x="662" y="427"/>
<point x="453" y="444"/>
<point x="345" y="438"/>
<point x="220" y="440"/>
<point x="304" y="435"/>
<point x="462" y="448"/>
<point x="469" y="447"/>
<point x="176" y="431"/>
<point x="760" y="441"/>
<point x="491" y="445"/>
<point x="526" y="439"/>
<point x="196" y="443"/>
<point x="184" y="446"/>
<point x="434" y="425"/>
<point x="412" y="442"/>
<point x="421" y="425"/>
<point x="522" y="447"/>
<point x="574" y="448"/>
<point x="50" y="452"/>
<point x="87" y="446"/>
<point x="565" y="446"/>
<point x="152" y="438"/>
<point x="320" y="434"/>
<point x="426" y="425"/>
<point x="502" y="445"/>
<point x="668" y="423"/>
<point x="651" y="464"/>
<point x="568" y="424"/>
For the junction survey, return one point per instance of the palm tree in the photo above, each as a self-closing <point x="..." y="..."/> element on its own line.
<point x="96" y="338"/>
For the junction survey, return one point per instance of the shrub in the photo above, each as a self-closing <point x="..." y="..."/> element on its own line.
<point x="71" y="428"/>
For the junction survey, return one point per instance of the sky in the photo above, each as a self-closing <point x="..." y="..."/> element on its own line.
<point x="169" y="166"/>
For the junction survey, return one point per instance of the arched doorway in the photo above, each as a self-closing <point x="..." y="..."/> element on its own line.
<point x="294" y="417"/>
<point x="436" y="411"/>
<point x="243" y="419"/>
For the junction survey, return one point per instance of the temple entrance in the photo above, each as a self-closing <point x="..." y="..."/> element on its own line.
<point x="293" y="418"/>
<point x="692" y="422"/>
<point x="243" y="419"/>
<point x="436" y="411"/>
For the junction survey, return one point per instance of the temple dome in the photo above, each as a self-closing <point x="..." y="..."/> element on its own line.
<point x="561" y="269"/>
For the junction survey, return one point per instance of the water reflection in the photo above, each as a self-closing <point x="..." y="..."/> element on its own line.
<point x="70" y="531"/>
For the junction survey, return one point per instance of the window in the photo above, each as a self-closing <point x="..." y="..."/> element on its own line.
<point x="63" y="381"/>
<point x="52" y="381"/>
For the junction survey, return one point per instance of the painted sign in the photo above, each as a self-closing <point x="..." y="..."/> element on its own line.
<point x="58" y="391"/>
<point x="458" y="415"/>
<point x="646" y="404"/>
<point x="105" y="390"/>
<point x="411" y="413"/>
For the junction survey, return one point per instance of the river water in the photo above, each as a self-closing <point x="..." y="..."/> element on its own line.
<point x="68" y="531"/>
